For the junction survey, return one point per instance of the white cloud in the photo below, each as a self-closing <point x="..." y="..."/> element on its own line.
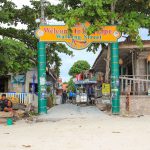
<point x="20" y="3"/>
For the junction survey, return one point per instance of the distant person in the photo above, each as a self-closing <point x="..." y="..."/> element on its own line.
<point x="74" y="97"/>
<point x="8" y="107"/>
<point x="70" y="95"/>
<point x="77" y="92"/>
<point x="5" y="104"/>
<point x="64" y="97"/>
<point x="90" y="93"/>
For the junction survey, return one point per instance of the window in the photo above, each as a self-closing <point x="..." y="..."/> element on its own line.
<point x="33" y="87"/>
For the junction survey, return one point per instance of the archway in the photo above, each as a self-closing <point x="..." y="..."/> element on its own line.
<point x="78" y="40"/>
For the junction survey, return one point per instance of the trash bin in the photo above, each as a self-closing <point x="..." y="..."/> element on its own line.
<point x="9" y="121"/>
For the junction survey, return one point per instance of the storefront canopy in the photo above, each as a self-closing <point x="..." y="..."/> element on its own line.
<point x="85" y="82"/>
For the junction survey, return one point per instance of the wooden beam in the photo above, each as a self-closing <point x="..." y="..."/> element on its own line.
<point x="133" y="45"/>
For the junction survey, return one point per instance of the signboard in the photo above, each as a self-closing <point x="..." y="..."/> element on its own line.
<point x="105" y="89"/>
<point x="42" y="81"/>
<point x="78" y="39"/>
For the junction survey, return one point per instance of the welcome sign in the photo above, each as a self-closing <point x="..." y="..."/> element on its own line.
<point x="78" y="39"/>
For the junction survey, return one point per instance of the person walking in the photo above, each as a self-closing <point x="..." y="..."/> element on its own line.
<point x="70" y="96"/>
<point x="64" y="97"/>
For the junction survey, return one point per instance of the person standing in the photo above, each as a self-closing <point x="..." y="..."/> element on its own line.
<point x="64" y="97"/>
<point x="70" y="96"/>
<point x="90" y="93"/>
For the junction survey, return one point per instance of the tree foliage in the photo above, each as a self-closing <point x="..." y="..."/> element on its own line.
<point x="129" y="15"/>
<point x="71" y="85"/>
<point x="15" y="57"/>
<point x="12" y="16"/>
<point x="78" y="67"/>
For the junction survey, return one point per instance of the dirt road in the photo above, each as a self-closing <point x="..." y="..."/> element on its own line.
<point x="76" y="128"/>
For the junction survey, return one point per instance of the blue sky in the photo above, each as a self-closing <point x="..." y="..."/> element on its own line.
<point x="68" y="61"/>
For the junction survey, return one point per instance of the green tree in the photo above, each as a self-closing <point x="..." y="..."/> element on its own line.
<point x="78" y="67"/>
<point x="129" y="15"/>
<point x="12" y="16"/>
<point x="71" y="85"/>
<point x="15" y="57"/>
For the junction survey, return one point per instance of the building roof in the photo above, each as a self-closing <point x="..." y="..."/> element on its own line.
<point x="125" y="48"/>
<point x="51" y="73"/>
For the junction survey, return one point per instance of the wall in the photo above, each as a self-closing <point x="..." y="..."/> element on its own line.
<point x="52" y="83"/>
<point x="15" y="87"/>
<point x="141" y="68"/>
<point x="29" y="78"/>
<point x="139" y="105"/>
<point x="18" y="88"/>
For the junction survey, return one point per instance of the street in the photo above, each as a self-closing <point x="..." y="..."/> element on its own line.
<point x="57" y="54"/>
<point x="78" y="128"/>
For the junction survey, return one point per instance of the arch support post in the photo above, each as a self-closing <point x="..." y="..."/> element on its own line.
<point x="42" y="100"/>
<point x="115" y="89"/>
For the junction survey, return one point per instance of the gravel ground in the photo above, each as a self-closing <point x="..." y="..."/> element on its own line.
<point x="78" y="128"/>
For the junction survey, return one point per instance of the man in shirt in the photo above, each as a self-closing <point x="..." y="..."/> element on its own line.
<point x="64" y="97"/>
<point x="90" y="93"/>
<point x="5" y="104"/>
<point x="70" y="95"/>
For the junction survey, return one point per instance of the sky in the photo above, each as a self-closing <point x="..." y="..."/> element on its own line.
<point x="68" y="61"/>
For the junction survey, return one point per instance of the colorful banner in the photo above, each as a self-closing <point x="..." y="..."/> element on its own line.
<point x="78" y="39"/>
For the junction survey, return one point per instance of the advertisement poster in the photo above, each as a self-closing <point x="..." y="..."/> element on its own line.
<point x="106" y="89"/>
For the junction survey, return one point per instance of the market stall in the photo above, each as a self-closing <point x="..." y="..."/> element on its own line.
<point x="82" y="94"/>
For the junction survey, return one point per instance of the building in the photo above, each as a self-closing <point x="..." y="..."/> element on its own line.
<point x="25" y="86"/>
<point x="134" y="74"/>
<point x="65" y="86"/>
<point x="23" y="83"/>
<point x="134" y="64"/>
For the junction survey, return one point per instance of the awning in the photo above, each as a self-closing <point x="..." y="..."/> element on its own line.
<point x="85" y="82"/>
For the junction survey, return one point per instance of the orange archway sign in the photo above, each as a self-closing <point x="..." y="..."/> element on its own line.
<point x="78" y="38"/>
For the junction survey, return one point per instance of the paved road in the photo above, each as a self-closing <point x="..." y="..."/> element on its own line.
<point x="66" y="111"/>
